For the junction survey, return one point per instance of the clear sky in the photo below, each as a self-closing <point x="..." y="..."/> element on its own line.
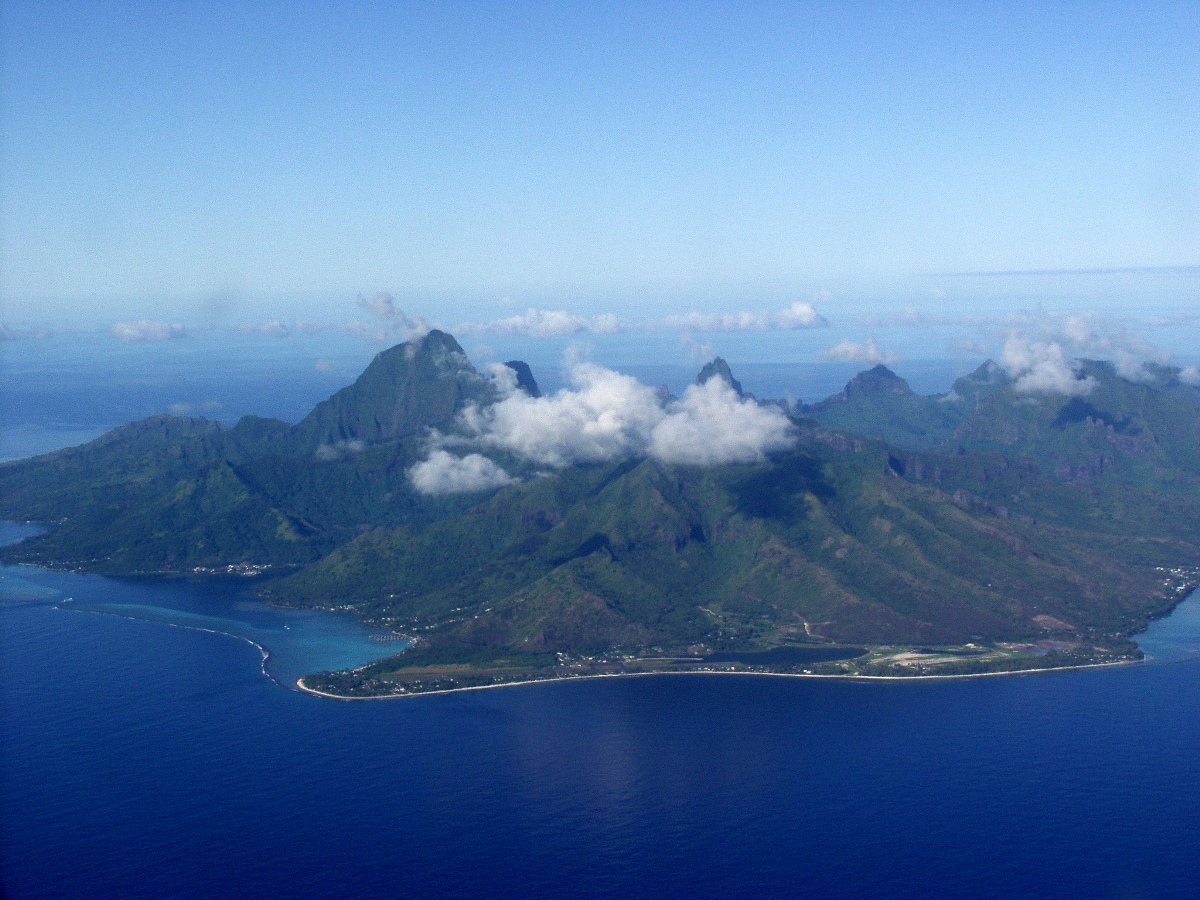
<point x="252" y="160"/>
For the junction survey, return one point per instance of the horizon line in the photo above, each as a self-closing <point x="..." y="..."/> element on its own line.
<point x="1122" y="270"/>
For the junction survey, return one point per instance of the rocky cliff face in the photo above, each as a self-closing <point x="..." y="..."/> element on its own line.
<point x="413" y="386"/>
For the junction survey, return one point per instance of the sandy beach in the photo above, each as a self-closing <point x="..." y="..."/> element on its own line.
<point x="856" y="678"/>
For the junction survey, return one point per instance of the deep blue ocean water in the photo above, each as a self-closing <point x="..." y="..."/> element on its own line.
<point x="145" y="760"/>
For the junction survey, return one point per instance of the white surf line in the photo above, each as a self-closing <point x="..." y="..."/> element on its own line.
<point x="265" y="653"/>
<point x="853" y="679"/>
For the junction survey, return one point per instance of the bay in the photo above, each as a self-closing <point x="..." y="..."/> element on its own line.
<point x="145" y="760"/>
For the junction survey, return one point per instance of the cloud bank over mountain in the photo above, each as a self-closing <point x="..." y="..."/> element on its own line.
<point x="1042" y="367"/>
<point x="603" y="416"/>
<point x="1042" y="354"/>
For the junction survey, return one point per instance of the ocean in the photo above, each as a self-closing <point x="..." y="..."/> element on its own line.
<point x="149" y="752"/>
<point x="152" y="744"/>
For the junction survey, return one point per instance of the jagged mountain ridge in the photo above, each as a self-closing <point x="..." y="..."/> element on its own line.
<point x="175" y="493"/>
<point x="1144" y="431"/>
<point x="843" y="538"/>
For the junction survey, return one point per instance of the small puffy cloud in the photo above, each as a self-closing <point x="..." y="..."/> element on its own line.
<point x="867" y="353"/>
<point x="801" y="315"/>
<point x="445" y="473"/>
<point x="180" y="409"/>
<point x="340" y="450"/>
<point x="543" y="323"/>
<point x="1191" y="375"/>
<point x="390" y="319"/>
<point x="704" y="352"/>
<point x="1041" y="367"/>
<point x="711" y="425"/>
<point x="381" y="306"/>
<point x="798" y="315"/>
<point x="146" y="330"/>
<point x="607" y="323"/>
<point x="739" y="321"/>
<point x="324" y="366"/>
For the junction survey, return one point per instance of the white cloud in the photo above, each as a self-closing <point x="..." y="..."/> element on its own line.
<point x="146" y="330"/>
<point x="330" y="452"/>
<point x="444" y="473"/>
<point x="1042" y="367"/>
<point x="1131" y="366"/>
<point x="541" y="323"/>
<point x="711" y="425"/>
<point x="382" y="306"/>
<point x="1190" y="375"/>
<point x="324" y="366"/>
<point x="606" y="416"/>
<point x="504" y="379"/>
<point x="868" y="353"/>
<point x="801" y="315"/>
<point x="798" y="315"/>
<point x="391" y="320"/>
<point x="180" y="409"/>
<point x="739" y="321"/>
<point x="704" y="352"/>
<point x="1079" y="335"/>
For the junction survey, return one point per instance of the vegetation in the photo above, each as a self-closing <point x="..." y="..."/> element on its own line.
<point x="978" y="531"/>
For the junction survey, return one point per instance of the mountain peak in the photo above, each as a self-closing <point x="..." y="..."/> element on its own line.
<point x="987" y="379"/>
<point x="407" y="388"/>
<point x="525" y="379"/>
<point x="876" y="381"/>
<point x="719" y="368"/>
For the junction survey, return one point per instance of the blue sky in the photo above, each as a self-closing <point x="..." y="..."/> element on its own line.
<point x="247" y="162"/>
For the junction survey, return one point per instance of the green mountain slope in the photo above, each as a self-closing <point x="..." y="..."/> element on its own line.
<point x="406" y="389"/>
<point x="991" y="530"/>
<point x="1144" y="434"/>
<point x="813" y="546"/>
<point x="878" y="403"/>
<point x="171" y="494"/>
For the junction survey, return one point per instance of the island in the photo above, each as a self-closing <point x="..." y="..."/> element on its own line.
<point x="505" y="536"/>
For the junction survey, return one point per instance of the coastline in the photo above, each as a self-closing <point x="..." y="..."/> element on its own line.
<point x="853" y="678"/>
